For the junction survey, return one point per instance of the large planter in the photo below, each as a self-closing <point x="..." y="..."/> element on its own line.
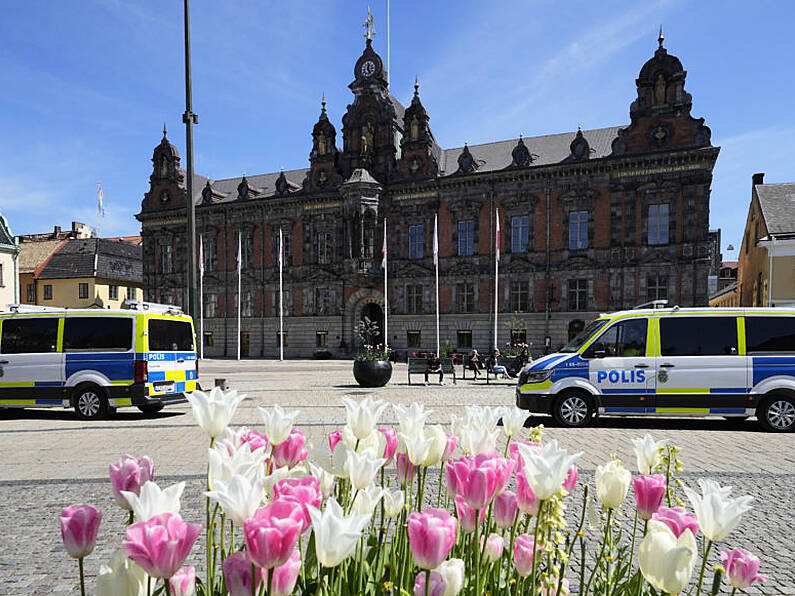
<point x="372" y="373"/>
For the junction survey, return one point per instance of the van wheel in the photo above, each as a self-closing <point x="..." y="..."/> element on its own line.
<point x="573" y="409"/>
<point x="777" y="413"/>
<point x="90" y="402"/>
<point x="151" y="408"/>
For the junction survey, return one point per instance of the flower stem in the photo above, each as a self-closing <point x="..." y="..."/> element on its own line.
<point x="601" y="551"/>
<point x="253" y="580"/>
<point x="427" y="582"/>
<point x="477" y="551"/>
<point x="535" y="545"/>
<point x="703" y="567"/>
<point x="209" y="531"/>
<point x="271" y="573"/>
<point x="632" y="550"/>
<point x="167" y="585"/>
<point x="82" y="577"/>
<point x="441" y="482"/>
<point x="319" y="579"/>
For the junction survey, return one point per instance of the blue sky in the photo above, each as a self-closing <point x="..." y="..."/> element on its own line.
<point x="87" y="85"/>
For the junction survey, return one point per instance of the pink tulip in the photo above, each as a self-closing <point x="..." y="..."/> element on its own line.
<point x="271" y="535"/>
<point x="571" y="480"/>
<point x="79" y="527"/>
<point x="478" y="479"/>
<point x="254" y="439"/>
<point x="505" y="509"/>
<point x="183" y="582"/>
<point x="290" y="452"/>
<point x="525" y="497"/>
<point x="130" y="474"/>
<point x="405" y="469"/>
<point x="523" y="553"/>
<point x="741" y="568"/>
<point x="677" y="519"/>
<point x="564" y="589"/>
<point x="494" y="547"/>
<point x="334" y="437"/>
<point x="449" y="448"/>
<point x="237" y="574"/>
<point x="466" y="515"/>
<point x="649" y="492"/>
<point x="436" y="587"/>
<point x="285" y="575"/>
<point x="161" y="544"/>
<point x="391" y="444"/>
<point x="515" y="456"/>
<point x="431" y="536"/>
<point x="303" y="491"/>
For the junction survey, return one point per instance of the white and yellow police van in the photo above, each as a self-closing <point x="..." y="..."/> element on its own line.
<point x="730" y="362"/>
<point x="96" y="360"/>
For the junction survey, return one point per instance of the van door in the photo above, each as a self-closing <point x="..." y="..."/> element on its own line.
<point x="31" y="367"/>
<point x="172" y="355"/>
<point x="620" y="367"/>
<point x="701" y="368"/>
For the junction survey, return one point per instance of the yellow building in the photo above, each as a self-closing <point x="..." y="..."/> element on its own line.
<point x="766" y="267"/>
<point x="725" y="297"/>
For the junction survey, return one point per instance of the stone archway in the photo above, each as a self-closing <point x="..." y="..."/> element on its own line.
<point x="355" y="308"/>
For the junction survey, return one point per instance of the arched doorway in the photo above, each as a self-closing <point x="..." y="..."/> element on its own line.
<point x="375" y="314"/>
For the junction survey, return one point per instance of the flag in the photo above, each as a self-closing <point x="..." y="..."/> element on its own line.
<point x="435" y="243"/>
<point x="100" y="206"/>
<point x="239" y="251"/>
<point x="201" y="255"/>
<point x="281" y="249"/>
<point x="497" y="240"/>
<point x="383" y="249"/>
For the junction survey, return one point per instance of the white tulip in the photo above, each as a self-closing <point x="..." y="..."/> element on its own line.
<point x="452" y="572"/>
<point x="438" y="440"/>
<point x="393" y="502"/>
<point x="363" y="415"/>
<point x="476" y="439"/>
<point x="717" y="513"/>
<point x="416" y="447"/>
<point x="331" y="462"/>
<point x="367" y="499"/>
<point x="412" y="418"/>
<point x="665" y="560"/>
<point x="485" y="416"/>
<point x="278" y="423"/>
<point x="336" y="535"/>
<point x="282" y="473"/>
<point x="546" y="468"/>
<point x="154" y="501"/>
<point x="361" y="469"/>
<point x="242" y="461"/>
<point x="513" y="420"/>
<point x="374" y="443"/>
<point x="647" y="453"/>
<point x="214" y="411"/>
<point x="121" y="578"/>
<point x="239" y="498"/>
<point x="325" y="479"/>
<point x="612" y="483"/>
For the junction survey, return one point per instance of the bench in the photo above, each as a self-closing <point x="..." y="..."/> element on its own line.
<point x="418" y="366"/>
<point x="511" y="364"/>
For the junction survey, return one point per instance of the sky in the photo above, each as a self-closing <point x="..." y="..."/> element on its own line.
<point x="88" y="84"/>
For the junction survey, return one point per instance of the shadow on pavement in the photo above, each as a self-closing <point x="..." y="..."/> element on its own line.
<point x="51" y="414"/>
<point x="711" y="424"/>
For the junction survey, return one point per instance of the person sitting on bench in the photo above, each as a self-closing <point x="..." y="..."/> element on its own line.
<point x="494" y="365"/>
<point x="474" y="363"/>
<point x="434" y="366"/>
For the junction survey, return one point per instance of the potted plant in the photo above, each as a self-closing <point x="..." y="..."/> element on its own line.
<point x="371" y="366"/>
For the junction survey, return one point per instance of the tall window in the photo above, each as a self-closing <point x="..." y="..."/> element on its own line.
<point x="520" y="233"/>
<point x="520" y="296"/>
<point x="1" y="276"/>
<point x="210" y="305"/>
<point x="321" y="339"/>
<point x="82" y="291"/>
<point x="414" y="298"/>
<point x="164" y="263"/>
<point x="323" y="248"/>
<point x="246" y="304"/>
<point x="578" y="294"/>
<point x="578" y="230"/>
<point x="416" y="242"/>
<point x="414" y="339"/>
<point x="48" y="291"/>
<point x="657" y="287"/>
<point x="466" y="238"/>
<point x="210" y="254"/>
<point x="322" y="301"/>
<point x="113" y="292"/>
<point x="30" y="293"/>
<point x="247" y="250"/>
<point x="464" y="338"/>
<point x="465" y="296"/>
<point x="658" y="224"/>
<point x="130" y="293"/>
<point x="288" y="248"/>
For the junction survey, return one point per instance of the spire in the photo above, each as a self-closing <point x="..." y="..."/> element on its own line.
<point x="660" y="38"/>
<point x="369" y="27"/>
<point x="416" y="85"/>
<point x="323" y="104"/>
<point x="164" y="130"/>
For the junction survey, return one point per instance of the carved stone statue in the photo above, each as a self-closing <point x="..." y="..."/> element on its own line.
<point x="659" y="90"/>
<point x="322" y="147"/>
<point x="415" y="129"/>
<point x="163" y="167"/>
<point x="367" y="137"/>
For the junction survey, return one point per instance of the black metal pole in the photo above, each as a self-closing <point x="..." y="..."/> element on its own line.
<point x="547" y="269"/>
<point x="492" y="293"/>
<point x="189" y="118"/>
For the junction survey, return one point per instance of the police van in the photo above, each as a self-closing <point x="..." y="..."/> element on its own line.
<point x="95" y="360"/>
<point x="730" y="362"/>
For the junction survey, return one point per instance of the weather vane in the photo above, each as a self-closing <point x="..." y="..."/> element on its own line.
<point x="369" y="27"/>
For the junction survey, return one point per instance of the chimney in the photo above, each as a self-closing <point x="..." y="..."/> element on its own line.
<point x="758" y="178"/>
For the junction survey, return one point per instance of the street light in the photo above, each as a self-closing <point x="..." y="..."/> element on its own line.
<point x="189" y="118"/>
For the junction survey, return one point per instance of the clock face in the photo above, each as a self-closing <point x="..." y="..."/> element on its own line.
<point x="368" y="68"/>
<point x="164" y="196"/>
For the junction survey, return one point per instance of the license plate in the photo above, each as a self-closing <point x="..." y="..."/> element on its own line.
<point x="164" y="387"/>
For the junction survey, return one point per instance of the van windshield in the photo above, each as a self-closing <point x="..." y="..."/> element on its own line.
<point x="586" y="334"/>
<point x="167" y="335"/>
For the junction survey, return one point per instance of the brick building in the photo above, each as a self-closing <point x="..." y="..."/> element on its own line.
<point x="591" y="221"/>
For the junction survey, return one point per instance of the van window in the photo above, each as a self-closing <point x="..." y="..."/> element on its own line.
<point x="168" y="335"/>
<point x="27" y="336"/>
<point x="698" y="336"/>
<point x="587" y="333"/>
<point x="627" y="338"/>
<point x="770" y="334"/>
<point x="97" y="333"/>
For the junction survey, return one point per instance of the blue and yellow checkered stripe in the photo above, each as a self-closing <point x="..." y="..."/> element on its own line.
<point x="643" y="410"/>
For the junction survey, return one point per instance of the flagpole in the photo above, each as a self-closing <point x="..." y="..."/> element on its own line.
<point x="201" y="296"/>
<point x="496" y="274"/>
<point x="386" y="295"/>
<point x="281" y="297"/>
<point x="239" y="268"/>
<point x="436" y="263"/>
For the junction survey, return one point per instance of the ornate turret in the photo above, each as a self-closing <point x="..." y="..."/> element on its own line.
<point x="417" y="146"/>
<point x="165" y="160"/>
<point x="323" y="157"/>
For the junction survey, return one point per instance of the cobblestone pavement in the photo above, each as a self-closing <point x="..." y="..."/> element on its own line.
<point x="54" y="459"/>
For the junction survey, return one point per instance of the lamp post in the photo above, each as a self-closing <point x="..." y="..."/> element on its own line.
<point x="189" y="118"/>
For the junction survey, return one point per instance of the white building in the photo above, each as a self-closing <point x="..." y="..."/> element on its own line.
<point x="9" y="276"/>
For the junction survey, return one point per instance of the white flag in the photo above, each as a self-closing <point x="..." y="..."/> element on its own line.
<point x="383" y="249"/>
<point x="435" y="242"/>
<point x="497" y="240"/>
<point x="281" y="249"/>
<point x="201" y="255"/>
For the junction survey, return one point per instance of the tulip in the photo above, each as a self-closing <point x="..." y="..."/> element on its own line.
<point x="304" y="491"/>
<point x="361" y="469"/>
<point x="717" y="514"/>
<point x="239" y="498"/>
<point x="485" y="416"/>
<point x="431" y="536"/>
<point x="452" y="571"/>
<point x="526" y="499"/>
<point x="477" y="439"/>
<point x="214" y="411"/>
<point x="494" y="547"/>
<point x="367" y="499"/>
<point x="391" y="443"/>
<point x="438" y="439"/>
<point x="546" y="469"/>
<point x="161" y="544"/>
<point x="478" y="479"/>
<point x="121" y="578"/>
<point x="286" y="575"/>
<point x="336" y="535"/>
<point x="612" y="483"/>
<point x="411" y="419"/>
<point x="417" y="447"/>
<point x="334" y="437"/>
<point x="153" y="501"/>
<point x="324" y="479"/>
<point x="129" y="474"/>
<point x="449" y="448"/>
<point x="271" y="537"/>
<point x="649" y="493"/>
<point x="405" y="469"/>
<point x="291" y="451"/>
<point x="647" y="453"/>
<point x="237" y="574"/>
<point x="183" y="582"/>
<point x="466" y="515"/>
<point x="254" y="439"/>
<point x="571" y="480"/>
<point x="665" y="560"/>
<point x="363" y="415"/>
<point x="523" y="553"/>
<point x="435" y="587"/>
<point x="505" y="509"/>
<point x="677" y="519"/>
<point x="278" y="424"/>
<point x="393" y="502"/>
<point x="742" y="568"/>
<point x="513" y="420"/>
<point x="79" y="527"/>
<point x="241" y="461"/>
<point x="516" y="457"/>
